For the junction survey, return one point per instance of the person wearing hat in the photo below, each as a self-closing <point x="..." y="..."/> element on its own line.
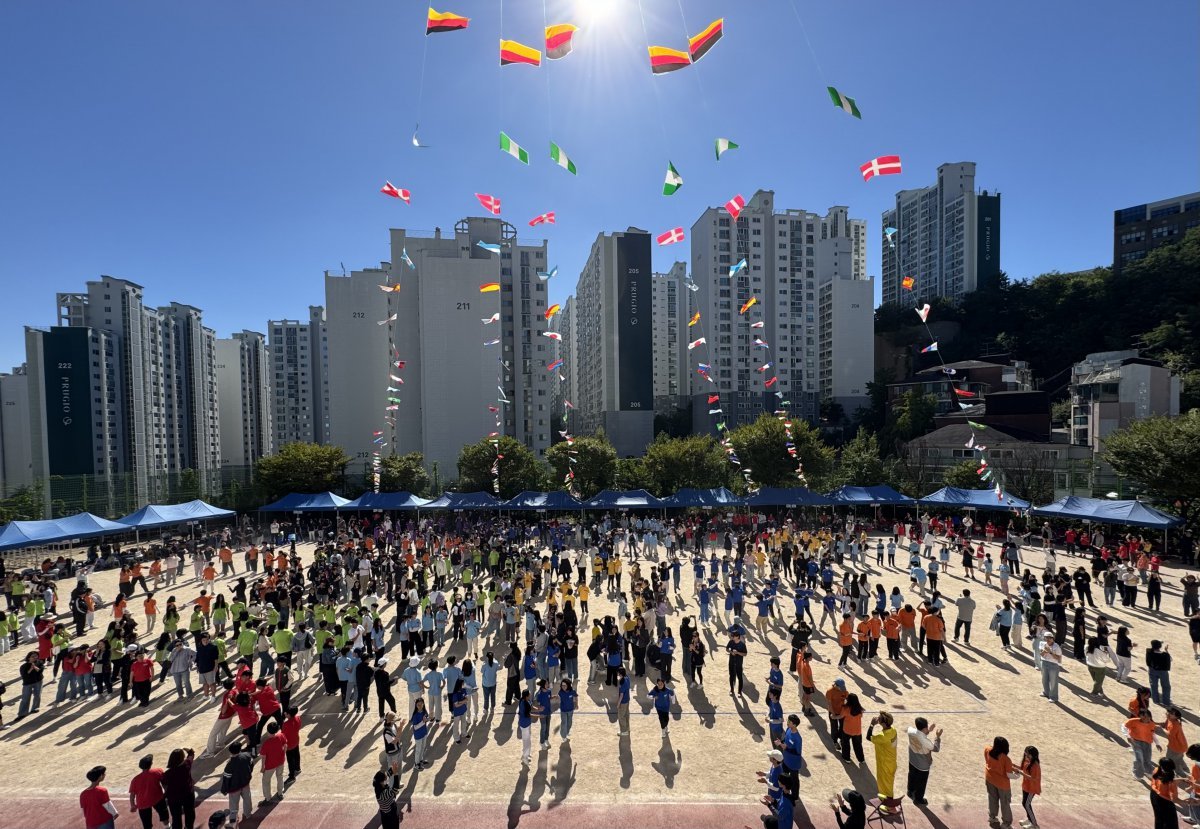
<point x="98" y="809"/>
<point x="1051" y="658"/>
<point x="771" y="778"/>
<point x="414" y="680"/>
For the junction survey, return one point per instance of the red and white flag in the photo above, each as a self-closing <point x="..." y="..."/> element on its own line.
<point x="544" y="219"/>
<point x="671" y="236"/>
<point x="389" y="189"/>
<point x="885" y="165"/>
<point x="735" y="206"/>
<point x="490" y="203"/>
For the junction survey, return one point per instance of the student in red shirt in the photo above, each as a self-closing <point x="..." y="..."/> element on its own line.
<point x="274" y="751"/>
<point x="243" y="706"/>
<point x="141" y="673"/>
<point x="997" y="769"/>
<point x="216" y="737"/>
<point x="1031" y="784"/>
<point x="291" y="733"/>
<point x="268" y="705"/>
<point x="146" y="793"/>
<point x="98" y="810"/>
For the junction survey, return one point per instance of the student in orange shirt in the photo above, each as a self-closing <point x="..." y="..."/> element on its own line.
<point x="1177" y="744"/>
<point x="935" y="636"/>
<point x="226" y="556"/>
<point x="864" y="639"/>
<point x="807" y="686"/>
<point x="875" y="625"/>
<point x="997" y="769"/>
<point x="835" y="699"/>
<point x="852" y="729"/>
<point x="150" y="607"/>
<point x="907" y="617"/>
<point x="1140" y="731"/>
<point x="891" y="631"/>
<point x="209" y="575"/>
<point x="1031" y="784"/>
<point x="1164" y="794"/>
<point x="845" y="639"/>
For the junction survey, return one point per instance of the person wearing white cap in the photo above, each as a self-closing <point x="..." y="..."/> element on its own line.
<point x="771" y="778"/>
<point x="1051" y="656"/>
<point x="414" y="679"/>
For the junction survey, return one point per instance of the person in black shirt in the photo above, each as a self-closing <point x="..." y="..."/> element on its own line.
<point x="1158" y="663"/>
<point x="737" y="656"/>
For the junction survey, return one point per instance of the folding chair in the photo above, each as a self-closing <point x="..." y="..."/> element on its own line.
<point x="888" y="811"/>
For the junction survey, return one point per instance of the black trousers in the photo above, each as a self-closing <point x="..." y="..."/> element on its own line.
<point x="183" y="814"/>
<point x="917" y="780"/>
<point x="961" y="625"/>
<point x="147" y="815"/>
<point x="293" y="761"/>
<point x="512" y="691"/>
<point x="736" y="675"/>
<point x="847" y="741"/>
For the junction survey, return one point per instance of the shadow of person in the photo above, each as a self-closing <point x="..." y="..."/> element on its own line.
<point x="625" y="752"/>
<point x="447" y="767"/>
<point x="563" y="778"/>
<point x="702" y="707"/>
<point x="669" y="762"/>
<point x="517" y="800"/>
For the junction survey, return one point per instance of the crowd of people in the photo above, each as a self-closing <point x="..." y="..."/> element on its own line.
<point x="477" y="598"/>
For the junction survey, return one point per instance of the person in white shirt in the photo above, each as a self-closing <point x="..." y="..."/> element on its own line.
<point x="920" y="757"/>
<point x="1051" y="657"/>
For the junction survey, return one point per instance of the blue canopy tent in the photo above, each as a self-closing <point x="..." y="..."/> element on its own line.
<point x="1103" y="511"/>
<point x="18" y="534"/>
<point x="873" y="495"/>
<point x="464" y="500"/>
<point x="556" y="500"/>
<point x="383" y="501"/>
<point x="162" y="515"/>
<point x="615" y="499"/>
<point x="981" y="499"/>
<point x="86" y="525"/>
<point x="307" y="502"/>
<point x="707" y="498"/>
<point x="770" y="496"/>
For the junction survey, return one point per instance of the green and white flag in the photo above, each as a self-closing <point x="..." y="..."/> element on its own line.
<point x="561" y="159"/>
<point x="514" y="149"/>
<point x="724" y="145"/>
<point x="844" y="102"/>
<point x="674" y="180"/>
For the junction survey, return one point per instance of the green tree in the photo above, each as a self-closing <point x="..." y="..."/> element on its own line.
<point x="301" y="467"/>
<point x="404" y="473"/>
<point x="962" y="475"/>
<point x="519" y="468"/>
<point x="833" y="413"/>
<point x="861" y="464"/>
<point x="694" y="461"/>
<point x="874" y="416"/>
<point x="1163" y="455"/>
<point x="677" y="424"/>
<point x="762" y="448"/>
<point x="25" y="504"/>
<point x="595" y="463"/>
<point x="631" y="473"/>
<point x="912" y="416"/>
<point x="1060" y="412"/>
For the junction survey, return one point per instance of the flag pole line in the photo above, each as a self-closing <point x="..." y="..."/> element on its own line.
<point x="657" y="97"/>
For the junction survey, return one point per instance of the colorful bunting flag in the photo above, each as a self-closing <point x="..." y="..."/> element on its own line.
<point x="695" y="319"/>
<point x="544" y="219"/>
<point x="907" y="283"/>
<point x="395" y="192"/>
<point x="699" y="45"/>
<point x="738" y="268"/>
<point x="923" y="312"/>
<point x="673" y="181"/>
<point x="552" y="310"/>
<point x="671" y="236"/>
<point x="751" y="302"/>
<point x="844" y="102"/>
<point x="735" y="206"/>
<point x="545" y="275"/>
<point x="560" y="158"/>
<point x="724" y="145"/>
<point x="390" y="289"/>
<point x="489" y="247"/>
<point x="493" y="318"/>
<point x="695" y="343"/>
<point x="885" y="165"/>
<point x="558" y="40"/>
<point x="490" y="203"/>
<point x="489" y="287"/>
<point x="931" y="347"/>
<point x="512" y="52"/>
<point x="438" y="22"/>
<point x="554" y="365"/>
<point x="663" y="60"/>
<point x="513" y="148"/>
<point x="554" y="335"/>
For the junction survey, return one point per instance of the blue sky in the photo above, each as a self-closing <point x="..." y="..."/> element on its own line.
<point x="224" y="154"/>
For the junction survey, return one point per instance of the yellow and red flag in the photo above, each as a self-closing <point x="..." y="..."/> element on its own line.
<point x="513" y="52"/>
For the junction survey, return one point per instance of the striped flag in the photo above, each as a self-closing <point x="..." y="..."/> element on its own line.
<point x="552" y="310"/>
<point x="556" y="364"/>
<point x="395" y="192"/>
<point x="673" y="181"/>
<point x="544" y="219"/>
<point x="558" y="40"/>
<point x="513" y="52"/>
<point x="489" y="247"/>
<point x="444" y="22"/>
<point x="489" y="287"/>
<point x="699" y="45"/>
<point x="664" y="60"/>
<point x="885" y="165"/>
<point x="724" y="145"/>
<point x="490" y="203"/>
<point x="671" y="236"/>
<point x="695" y="319"/>
<point x="738" y="268"/>
<point x="931" y="347"/>
<point x="513" y="148"/>
<point x="748" y="304"/>
<point x="695" y="343"/>
<point x="560" y="158"/>
<point x="735" y="206"/>
<point x="844" y="102"/>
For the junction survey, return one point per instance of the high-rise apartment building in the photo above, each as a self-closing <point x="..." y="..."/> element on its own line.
<point x="613" y="322"/>
<point x="140" y="384"/>
<point x="16" y="457"/>
<point x="1140" y="229"/>
<point x="244" y="387"/>
<point x="671" y="313"/>
<point x="947" y="238"/>
<point x="793" y="258"/>
<point x="299" y="374"/>
<point x="451" y="374"/>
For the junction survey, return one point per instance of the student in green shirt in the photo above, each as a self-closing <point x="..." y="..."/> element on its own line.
<point x="281" y="639"/>
<point x="196" y="623"/>
<point x="246" y="641"/>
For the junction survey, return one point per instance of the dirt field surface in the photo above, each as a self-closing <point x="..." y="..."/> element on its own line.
<point x="702" y="774"/>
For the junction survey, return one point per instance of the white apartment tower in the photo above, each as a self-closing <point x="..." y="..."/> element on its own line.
<point x="671" y="314"/>
<point x="244" y="387"/>
<point x="299" y="375"/>
<point x="947" y="238"/>
<point x="793" y="258"/>
<point x="118" y="388"/>
<point x="614" y="336"/>
<point x="16" y="457"/>
<point x="451" y="375"/>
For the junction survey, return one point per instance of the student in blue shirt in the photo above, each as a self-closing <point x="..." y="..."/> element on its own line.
<point x="705" y="604"/>
<point x="553" y="661"/>
<point x="827" y="577"/>
<point x="489" y="670"/>
<point x="663" y="697"/>
<point x="771" y="778"/>
<point x="803" y="601"/>
<point x="458" y="710"/>
<point x="435" y="681"/>
<point x="676" y="572"/>
<point x="414" y="680"/>
<point x="420" y="733"/>
<point x="764" y="611"/>
<point x="775" y="676"/>
<point x="542" y="708"/>
<point x="346" y="663"/>
<point x="529" y="669"/>
<point x="525" y="727"/>
<point x="567" y="698"/>
<point x="774" y="717"/>
<point x="451" y="674"/>
<point x="793" y="744"/>
<point x="623" y="702"/>
<point x="666" y="654"/>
